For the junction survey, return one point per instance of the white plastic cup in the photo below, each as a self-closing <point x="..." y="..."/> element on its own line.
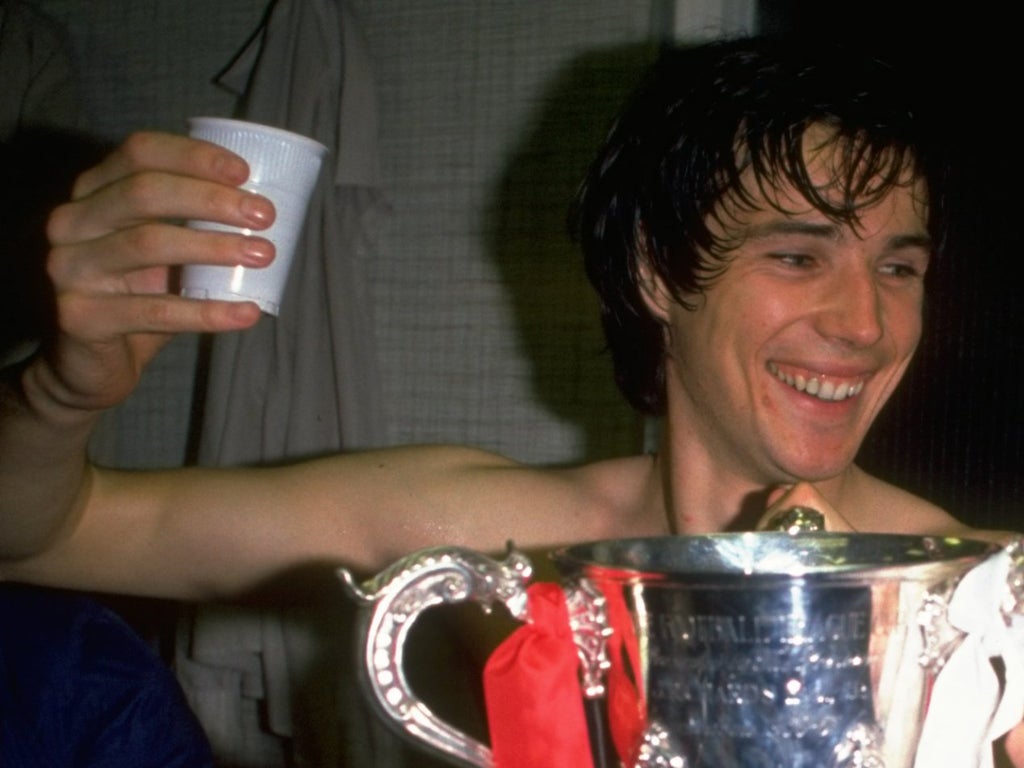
<point x="283" y="167"/>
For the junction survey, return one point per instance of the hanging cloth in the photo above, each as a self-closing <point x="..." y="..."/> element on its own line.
<point x="301" y="384"/>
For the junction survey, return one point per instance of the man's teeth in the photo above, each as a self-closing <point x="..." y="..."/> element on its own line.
<point x="823" y="390"/>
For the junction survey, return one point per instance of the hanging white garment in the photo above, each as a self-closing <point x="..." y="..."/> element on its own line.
<point x="302" y="384"/>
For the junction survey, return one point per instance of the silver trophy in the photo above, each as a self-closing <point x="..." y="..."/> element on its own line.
<point x="753" y="650"/>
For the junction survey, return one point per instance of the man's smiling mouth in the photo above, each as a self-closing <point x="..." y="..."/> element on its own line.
<point x="829" y="388"/>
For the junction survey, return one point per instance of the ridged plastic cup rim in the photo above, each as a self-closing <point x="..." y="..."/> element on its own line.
<point x="248" y="125"/>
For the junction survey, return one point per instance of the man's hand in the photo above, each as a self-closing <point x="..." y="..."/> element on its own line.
<point x="112" y="250"/>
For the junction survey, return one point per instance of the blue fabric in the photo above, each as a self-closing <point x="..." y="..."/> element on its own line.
<point x="79" y="688"/>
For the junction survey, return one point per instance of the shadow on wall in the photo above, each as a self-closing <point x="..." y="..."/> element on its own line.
<point x="39" y="167"/>
<point x="556" y="308"/>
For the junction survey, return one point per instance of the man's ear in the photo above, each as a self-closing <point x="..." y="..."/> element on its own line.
<point x="656" y="296"/>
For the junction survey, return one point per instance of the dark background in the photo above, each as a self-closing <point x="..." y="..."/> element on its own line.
<point x="952" y="432"/>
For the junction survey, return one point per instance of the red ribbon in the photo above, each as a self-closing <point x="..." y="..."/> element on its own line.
<point x="532" y="691"/>
<point x="627" y="710"/>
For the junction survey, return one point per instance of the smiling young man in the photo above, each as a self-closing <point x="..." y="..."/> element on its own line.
<point x="758" y="226"/>
<point x="785" y="359"/>
<point x="759" y="229"/>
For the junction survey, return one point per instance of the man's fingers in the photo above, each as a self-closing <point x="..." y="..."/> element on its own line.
<point x="155" y="195"/>
<point x="170" y="153"/>
<point x="112" y="250"/>
<point x="110" y="317"/>
<point x="102" y="264"/>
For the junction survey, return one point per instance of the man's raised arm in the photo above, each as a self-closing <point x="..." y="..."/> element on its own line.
<point x="112" y="247"/>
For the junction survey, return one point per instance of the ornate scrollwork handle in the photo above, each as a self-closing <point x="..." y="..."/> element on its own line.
<point x="391" y="603"/>
<point x="588" y="621"/>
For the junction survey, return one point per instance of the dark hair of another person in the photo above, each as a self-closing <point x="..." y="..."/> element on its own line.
<point x="703" y="120"/>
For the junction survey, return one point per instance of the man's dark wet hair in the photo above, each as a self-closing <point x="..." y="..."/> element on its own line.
<point x="703" y="120"/>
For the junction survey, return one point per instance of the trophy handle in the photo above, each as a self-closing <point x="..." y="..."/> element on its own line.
<point x="390" y="604"/>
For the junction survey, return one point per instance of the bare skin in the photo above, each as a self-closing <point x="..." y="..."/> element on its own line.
<point x="198" y="534"/>
<point x="167" y="532"/>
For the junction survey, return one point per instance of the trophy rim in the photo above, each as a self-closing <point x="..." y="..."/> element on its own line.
<point x="772" y="557"/>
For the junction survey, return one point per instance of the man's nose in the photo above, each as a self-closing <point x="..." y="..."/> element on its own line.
<point x="851" y="308"/>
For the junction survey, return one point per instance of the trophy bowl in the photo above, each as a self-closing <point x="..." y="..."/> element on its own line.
<point x="745" y="650"/>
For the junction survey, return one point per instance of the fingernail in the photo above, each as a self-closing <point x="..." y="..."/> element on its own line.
<point x="258" y="210"/>
<point x="257" y="250"/>
<point x="232" y="168"/>
<point x="243" y="313"/>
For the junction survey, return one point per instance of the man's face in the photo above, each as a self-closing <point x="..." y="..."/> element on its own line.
<point x="794" y="349"/>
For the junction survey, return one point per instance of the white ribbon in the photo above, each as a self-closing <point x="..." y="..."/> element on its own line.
<point x="970" y="707"/>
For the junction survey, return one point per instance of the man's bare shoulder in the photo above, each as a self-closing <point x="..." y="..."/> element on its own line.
<point x="628" y="491"/>
<point x="886" y="508"/>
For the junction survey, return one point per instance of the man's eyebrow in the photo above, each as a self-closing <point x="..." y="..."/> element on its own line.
<point x="793" y="227"/>
<point x="911" y="241"/>
<point x="830" y="231"/>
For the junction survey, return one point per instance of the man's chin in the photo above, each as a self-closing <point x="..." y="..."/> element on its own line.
<point x="814" y="470"/>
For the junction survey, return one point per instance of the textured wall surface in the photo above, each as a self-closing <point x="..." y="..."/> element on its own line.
<point x="488" y="334"/>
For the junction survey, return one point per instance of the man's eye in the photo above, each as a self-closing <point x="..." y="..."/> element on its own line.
<point x="794" y="259"/>
<point x="900" y="270"/>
